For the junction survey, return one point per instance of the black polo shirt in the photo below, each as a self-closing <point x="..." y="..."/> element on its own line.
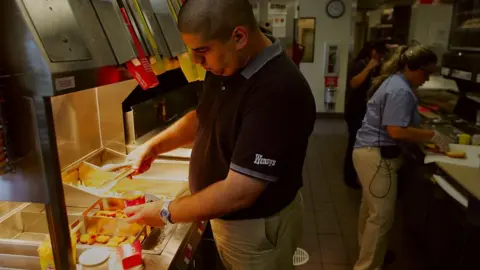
<point x="356" y="99"/>
<point x="256" y="123"/>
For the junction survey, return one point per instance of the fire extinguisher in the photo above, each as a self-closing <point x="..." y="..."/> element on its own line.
<point x="332" y="55"/>
<point x="329" y="98"/>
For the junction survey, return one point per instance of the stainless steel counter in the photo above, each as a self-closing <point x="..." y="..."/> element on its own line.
<point x="182" y="153"/>
<point x="172" y="257"/>
<point x="23" y="230"/>
<point x="466" y="177"/>
<point x="23" y="226"/>
<point x="179" y="251"/>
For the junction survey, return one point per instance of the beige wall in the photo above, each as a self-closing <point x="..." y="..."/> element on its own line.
<point x="327" y="30"/>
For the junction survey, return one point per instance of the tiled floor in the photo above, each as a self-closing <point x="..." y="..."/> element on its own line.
<point x="330" y="222"/>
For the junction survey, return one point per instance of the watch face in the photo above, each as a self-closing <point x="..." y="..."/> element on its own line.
<point x="163" y="213"/>
<point x="335" y="8"/>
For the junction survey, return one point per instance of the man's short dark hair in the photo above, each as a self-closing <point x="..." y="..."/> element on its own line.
<point x="215" y="19"/>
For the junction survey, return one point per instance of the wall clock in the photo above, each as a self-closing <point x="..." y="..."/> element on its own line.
<point x="335" y="9"/>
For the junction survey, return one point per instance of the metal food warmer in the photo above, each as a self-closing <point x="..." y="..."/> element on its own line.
<point x="67" y="107"/>
<point x="461" y="62"/>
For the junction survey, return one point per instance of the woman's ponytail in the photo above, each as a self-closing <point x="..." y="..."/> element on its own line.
<point x="395" y="64"/>
<point x="414" y="57"/>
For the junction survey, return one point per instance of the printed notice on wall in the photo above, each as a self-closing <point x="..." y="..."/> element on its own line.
<point x="279" y="25"/>
<point x="65" y="83"/>
<point x="277" y="16"/>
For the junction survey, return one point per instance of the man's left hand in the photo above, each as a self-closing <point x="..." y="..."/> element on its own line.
<point x="148" y="213"/>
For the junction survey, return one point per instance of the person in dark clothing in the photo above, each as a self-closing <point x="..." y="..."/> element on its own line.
<point x="245" y="169"/>
<point x="364" y="68"/>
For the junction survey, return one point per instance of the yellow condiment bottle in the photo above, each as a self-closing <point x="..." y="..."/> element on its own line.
<point x="188" y="68"/>
<point x="45" y="252"/>
<point x="46" y="255"/>
<point x="464" y="139"/>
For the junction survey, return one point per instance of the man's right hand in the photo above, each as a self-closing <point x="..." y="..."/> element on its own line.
<point x="143" y="157"/>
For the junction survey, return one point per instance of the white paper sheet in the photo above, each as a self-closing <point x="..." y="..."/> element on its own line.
<point x="450" y="190"/>
<point x="472" y="159"/>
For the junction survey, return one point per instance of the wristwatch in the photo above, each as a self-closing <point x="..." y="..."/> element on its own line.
<point x="165" y="213"/>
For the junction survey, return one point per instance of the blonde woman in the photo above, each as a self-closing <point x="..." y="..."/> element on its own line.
<point x="391" y="117"/>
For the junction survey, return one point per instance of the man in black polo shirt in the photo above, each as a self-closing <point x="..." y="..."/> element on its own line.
<point x="250" y="133"/>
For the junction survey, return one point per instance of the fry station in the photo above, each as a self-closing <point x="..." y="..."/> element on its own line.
<point x="82" y="84"/>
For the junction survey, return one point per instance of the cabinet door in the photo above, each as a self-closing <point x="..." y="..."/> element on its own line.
<point x="446" y="231"/>
<point x="471" y="258"/>
<point x="415" y="198"/>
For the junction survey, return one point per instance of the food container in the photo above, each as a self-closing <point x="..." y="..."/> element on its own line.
<point x="133" y="198"/>
<point x="476" y="139"/>
<point x="131" y="255"/>
<point x="45" y="252"/>
<point x="464" y="139"/>
<point x="106" y="225"/>
<point x="95" y="259"/>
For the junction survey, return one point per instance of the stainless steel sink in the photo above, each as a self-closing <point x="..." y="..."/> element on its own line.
<point x="106" y="156"/>
<point x="167" y="170"/>
<point x="161" y="169"/>
<point x="165" y="178"/>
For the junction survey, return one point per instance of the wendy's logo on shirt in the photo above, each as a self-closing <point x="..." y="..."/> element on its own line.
<point x="260" y="160"/>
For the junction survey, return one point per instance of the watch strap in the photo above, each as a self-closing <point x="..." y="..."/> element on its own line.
<point x="165" y="213"/>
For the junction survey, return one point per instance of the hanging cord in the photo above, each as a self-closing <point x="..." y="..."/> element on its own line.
<point x="382" y="160"/>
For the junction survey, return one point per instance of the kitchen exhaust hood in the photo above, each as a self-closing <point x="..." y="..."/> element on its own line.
<point x="52" y="47"/>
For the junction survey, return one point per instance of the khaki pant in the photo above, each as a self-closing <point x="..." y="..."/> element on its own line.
<point x="260" y="244"/>
<point x="377" y="211"/>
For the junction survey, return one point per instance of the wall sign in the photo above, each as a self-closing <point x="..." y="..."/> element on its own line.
<point x="331" y="81"/>
<point x="445" y="71"/>
<point x="277" y="16"/>
<point x="464" y="75"/>
<point x="65" y="83"/>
